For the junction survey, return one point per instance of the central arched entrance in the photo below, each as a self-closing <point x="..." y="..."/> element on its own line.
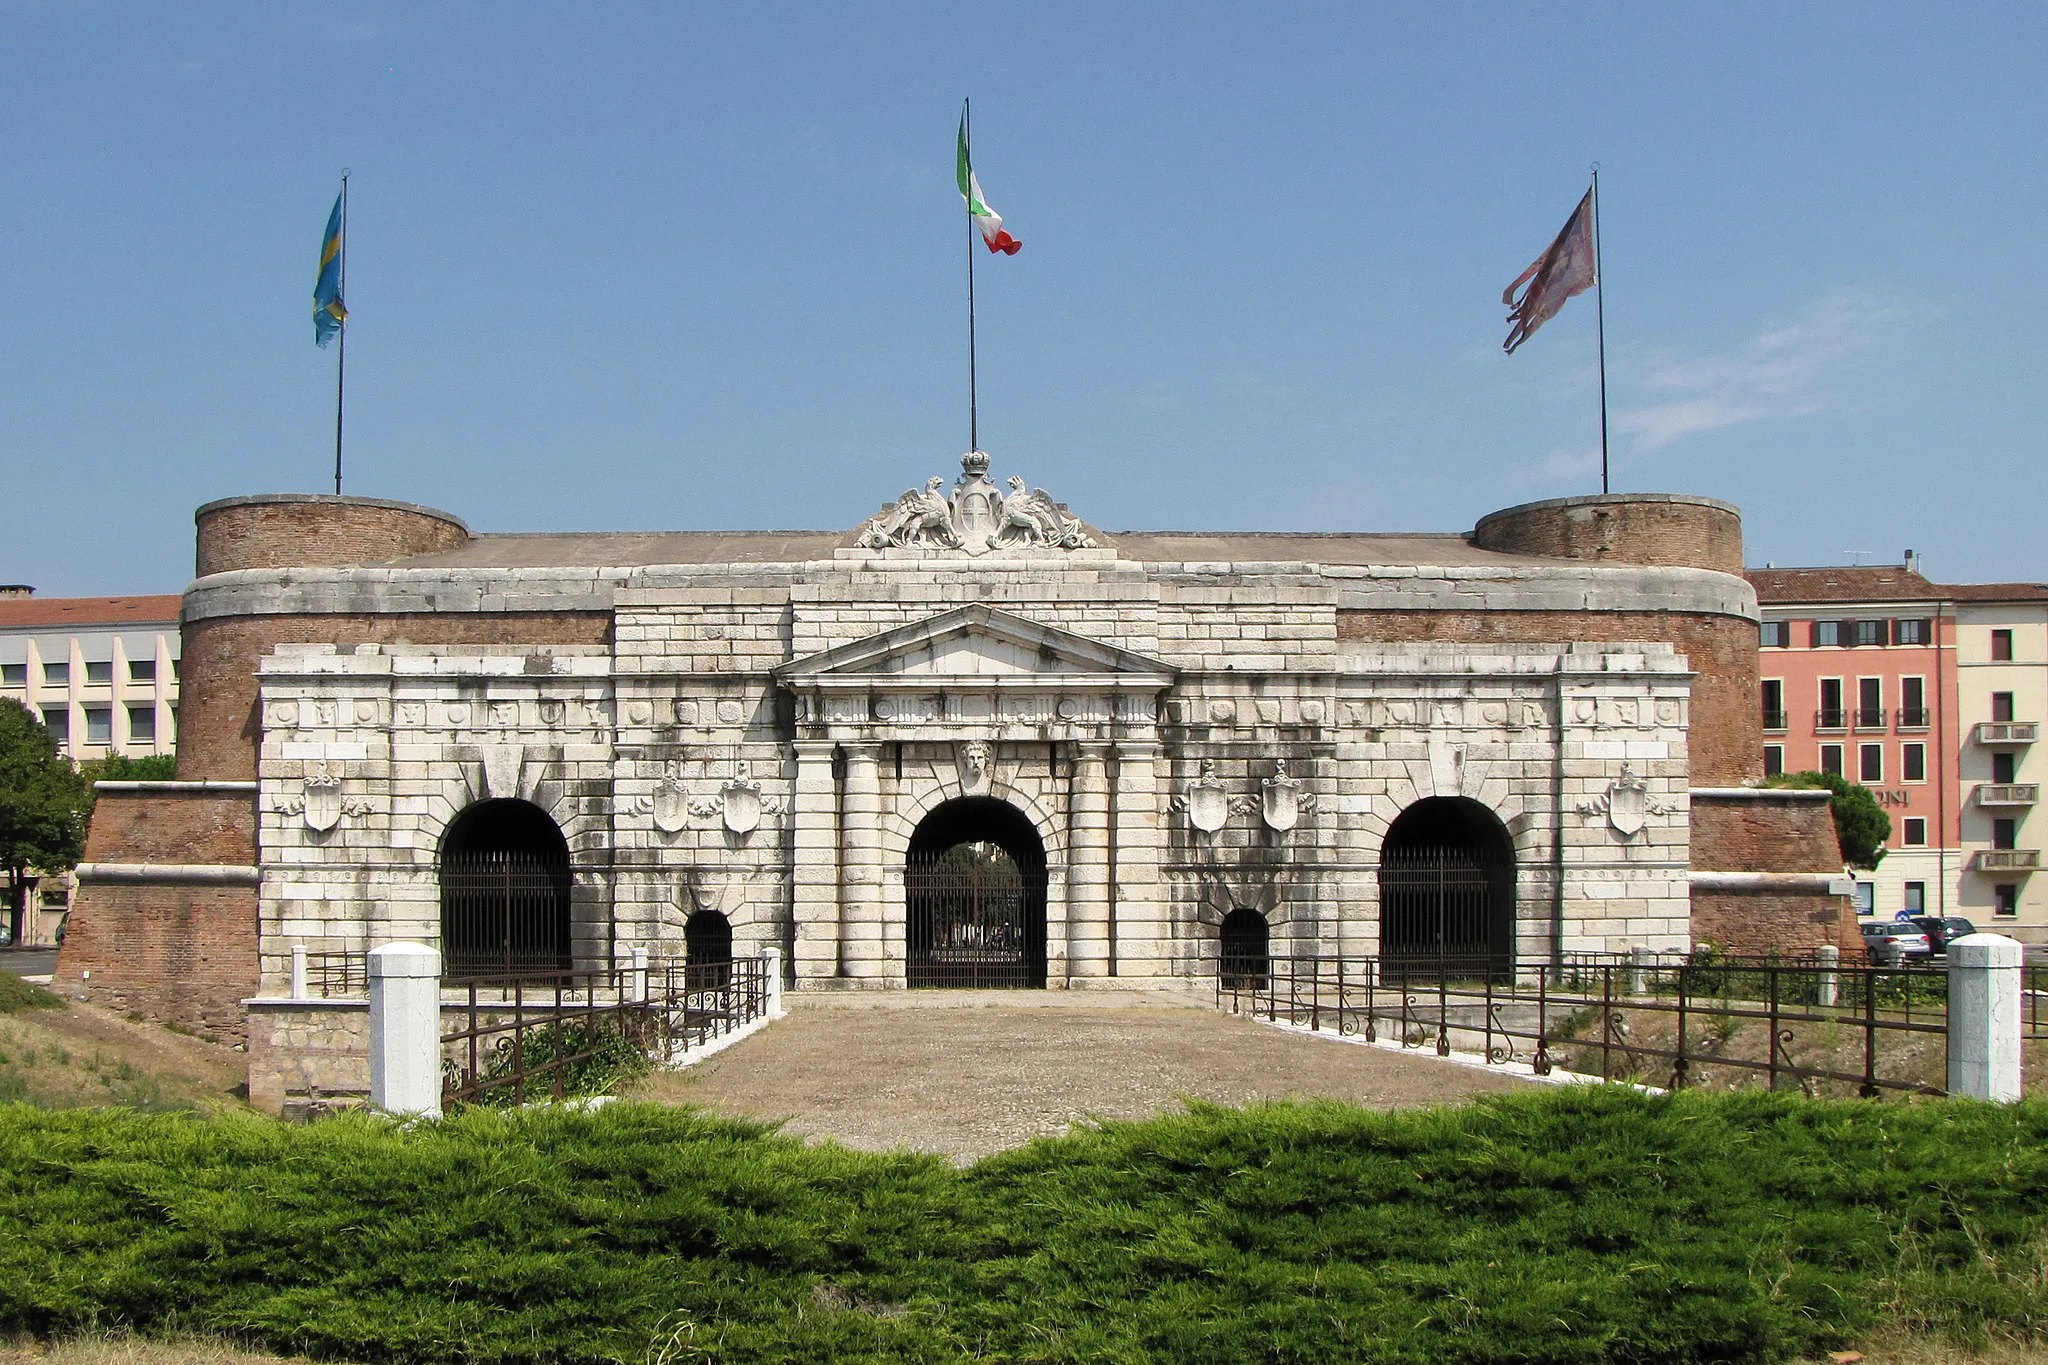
<point x="974" y="890"/>
<point x="1447" y="890"/>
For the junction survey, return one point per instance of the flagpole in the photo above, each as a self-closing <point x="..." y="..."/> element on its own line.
<point x="1600" y="312"/>
<point x="341" y="356"/>
<point x="973" y="417"/>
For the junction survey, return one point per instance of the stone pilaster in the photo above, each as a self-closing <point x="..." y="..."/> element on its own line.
<point x="814" y="876"/>
<point x="861" y="950"/>
<point x="1088" y="864"/>
<point x="1139" y="902"/>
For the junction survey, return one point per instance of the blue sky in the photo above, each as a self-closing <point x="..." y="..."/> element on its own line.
<point x="668" y="267"/>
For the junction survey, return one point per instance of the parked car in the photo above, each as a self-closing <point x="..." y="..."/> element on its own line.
<point x="1940" y="929"/>
<point x="1895" y="941"/>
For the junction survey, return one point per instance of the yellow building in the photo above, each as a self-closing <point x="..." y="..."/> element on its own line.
<point x="101" y="673"/>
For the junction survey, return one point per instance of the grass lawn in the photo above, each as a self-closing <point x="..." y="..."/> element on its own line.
<point x="1562" y="1225"/>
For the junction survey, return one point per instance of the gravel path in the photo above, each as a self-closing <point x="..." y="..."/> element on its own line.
<point x="970" y="1073"/>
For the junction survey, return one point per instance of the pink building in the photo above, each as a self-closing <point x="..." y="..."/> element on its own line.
<point x="1930" y="695"/>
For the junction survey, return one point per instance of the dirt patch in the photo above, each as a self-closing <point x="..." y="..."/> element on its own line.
<point x="83" y="1054"/>
<point x="970" y="1073"/>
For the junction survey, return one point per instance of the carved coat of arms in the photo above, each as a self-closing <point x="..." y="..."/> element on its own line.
<point x="742" y="801"/>
<point x="1626" y="803"/>
<point x="1280" y="799"/>
<point x="978" y="517"/>
<point x="671" y="804"/>
<point x="1206" y="801"/>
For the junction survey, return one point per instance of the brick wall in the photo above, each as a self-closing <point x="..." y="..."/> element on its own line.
<point x="1761" y="923"/>
<point x="1699" y="534"/>
<point x="176" y="953"/>
<point x="306" y="531"/>
<point x="1726" y="735"/>
<point x="1769" y="833"/>
<point x="218" y="728"/>
<point x="1764" y="833"/>
<point x="169" y="826"/>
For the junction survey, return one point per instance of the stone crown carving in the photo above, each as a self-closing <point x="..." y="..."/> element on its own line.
<point x="976" y="518"/>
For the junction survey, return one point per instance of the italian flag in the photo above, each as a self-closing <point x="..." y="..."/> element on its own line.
<point x="986" y="219"/>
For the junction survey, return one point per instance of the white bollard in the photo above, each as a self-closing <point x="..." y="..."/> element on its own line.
<point x="1638" y="971"/>
<point x="1984" y="1017"/>
<point x="771" y="976"/>
<point x="639" y="986"/>
<point x="405" y="1029"/>
<point x="1830" y="975"/>
<point x="300" y="989"/>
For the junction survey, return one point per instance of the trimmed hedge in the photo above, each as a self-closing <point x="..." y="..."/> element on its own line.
<point x="1561" y="1225"/>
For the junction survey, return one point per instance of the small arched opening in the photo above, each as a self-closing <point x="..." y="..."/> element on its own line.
<point x="1244" y="954"/>
<point x="707" y="950"/>
<point x="1447" y="890"/>
<point x="974" y="891"/>
<point x="504" y="892"/>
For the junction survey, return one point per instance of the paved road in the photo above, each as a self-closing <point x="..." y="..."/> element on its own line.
<point x="28" y="961"/>
<point x="970" y="1073"/>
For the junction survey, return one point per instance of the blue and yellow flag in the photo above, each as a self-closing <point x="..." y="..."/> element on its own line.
<point x="328" y="312"/>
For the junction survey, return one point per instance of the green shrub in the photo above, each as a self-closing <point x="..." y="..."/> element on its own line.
<point x="1561" y="1225"/>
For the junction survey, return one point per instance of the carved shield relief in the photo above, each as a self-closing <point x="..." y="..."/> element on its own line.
<point x="742" y="806"/>
<point x="1208" y="805"/>
<point x="671" y="805"/>
<point x="323" y="803"/>
<point x="1626" y="807"/>
<point x="1280" y="802"/>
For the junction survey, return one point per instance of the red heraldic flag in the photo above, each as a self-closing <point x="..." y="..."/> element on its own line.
<point x="1565" y="270"/>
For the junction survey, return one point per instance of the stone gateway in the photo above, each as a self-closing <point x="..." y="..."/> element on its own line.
<point x="973" y="741"/>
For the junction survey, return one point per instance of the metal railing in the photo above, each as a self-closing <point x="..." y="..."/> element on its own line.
<point x="1869" y="718"/>
<point x="1777" y="720"/>
<point x="329" y="975"/>
<point x="1830" y="718"/>
<point x="535" y="1035"/>
<point x="1915" y="718"/>
<point x="2034" y="1003"/>
<point x="1670" y="1020"/>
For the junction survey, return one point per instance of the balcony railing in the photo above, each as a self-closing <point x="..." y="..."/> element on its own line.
<point x="1777" y="720"/>
<point x="2008" y="793"/>
<point x="1830" y="719"/>
<point x="1870" y="718"/>
<point x="2008" y="859"/>
<point x="1998" y="732"/>
<point x="1915" y="718"/>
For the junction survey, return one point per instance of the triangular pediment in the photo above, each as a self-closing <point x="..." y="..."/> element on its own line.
<point x="975" y="641"/>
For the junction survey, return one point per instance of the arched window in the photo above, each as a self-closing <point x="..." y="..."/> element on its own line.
<point x="1243" y="955"/>
<point x="707" y="950"/>
<point x="504" y="892"/>
<point x="1447" y="890"/>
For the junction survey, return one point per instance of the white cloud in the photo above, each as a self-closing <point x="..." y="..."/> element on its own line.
<point x="1806" y="366"/>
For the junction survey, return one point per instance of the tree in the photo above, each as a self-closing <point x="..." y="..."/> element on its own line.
<point x="43" y="805"/>
<point x="1861" y="826"/>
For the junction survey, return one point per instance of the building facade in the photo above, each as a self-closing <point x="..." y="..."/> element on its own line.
<point x="973" y="741"/>
<point x="101" y="673"/>
<point x="1931" y="696"/>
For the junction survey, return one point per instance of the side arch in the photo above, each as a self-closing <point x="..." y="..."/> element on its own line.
<point x="1447" y="889"/>
<point x="505" y="891"/>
